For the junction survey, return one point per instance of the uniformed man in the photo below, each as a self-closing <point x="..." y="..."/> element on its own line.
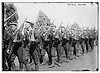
<point x="50" y="52"/>
<point x="8" y="53"/>
<point x="43" y="49"/>
<point x="82" y="43"/>
<point x="23" y="51"/>
<point x="18" y="49"/>
<point x="71" y="49"/>
<point x="64" y="42"/>
<point x="53" y="46"/>
<point x="34" y="40"/>
<point x="92" y="38"/>
<point x="57" y="45"/>
<point x="74" y="42"/>
<point x="68" y="45"/>
<point x="4" y="50"/>
<point x="87" y="40"/>
<point x="79" y="51"/>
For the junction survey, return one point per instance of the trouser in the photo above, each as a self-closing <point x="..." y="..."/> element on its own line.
<point x="91" y="42"/>
<point x="87" y="45"/>
<point x="74" y="45"/>
<point x="10" y="61"/>
<point x="50" y="52"/>
<point x="4" y="56"/>
<point x="59" y="53"/>
<point x="42" y="57"/>
<point x="70" y="50"/>
<point x="65" y="46"/>
<point x="46" y="48"/>
<point x="79" y="48"/>
<point x="58" y="47"/>
<point x="76" y="49"/>
<point x="35" y="54"/>
<point x="4" y="60"/>
<point x="83" y="45"/>
<point x="36" y="59"/>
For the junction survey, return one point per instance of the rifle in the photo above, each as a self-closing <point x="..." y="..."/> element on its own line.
<point x="59" y="28"/>
<point x="50" y="27"/>
<point x="19" y="30"/>
<point x="11" y="50"/>
<point x="9" y="17"/>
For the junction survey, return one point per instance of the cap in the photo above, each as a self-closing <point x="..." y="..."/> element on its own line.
<point x="30" y="22"/>
<point x="12" y="24"/>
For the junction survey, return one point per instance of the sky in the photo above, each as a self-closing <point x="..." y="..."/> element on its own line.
<point x="85" y="14"/>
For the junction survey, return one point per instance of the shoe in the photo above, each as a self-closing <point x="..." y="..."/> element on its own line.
<point x="43" y="63"/>
<point x="67" y="61"/>
<point x="52" y="65"/>
<point x="71" y="58"/>
<point x="59" y="64"/>
<point x="77" y="55"/>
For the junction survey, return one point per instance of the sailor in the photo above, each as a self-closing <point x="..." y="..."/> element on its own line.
<point x="34" y="47"/>
<point x="82" y="42"/>
<point x="73" y="42"/>
<point x="87" y="40"/>
<point x="9" y="55"/>
<point x="64" y="42"/>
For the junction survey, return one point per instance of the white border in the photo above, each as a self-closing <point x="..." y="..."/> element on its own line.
<point x="41" y="1"/>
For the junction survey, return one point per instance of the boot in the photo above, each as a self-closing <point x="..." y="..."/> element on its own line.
<point x="67" y="60"/>
<point x="21" y="66"/>
<point x="52" y="65"/>
<point x="27" y="66"/>
<point x="36" y="67"/>
<point x="44" y="61"/>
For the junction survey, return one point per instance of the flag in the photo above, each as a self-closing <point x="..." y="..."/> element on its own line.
<point x="42" y="19"/>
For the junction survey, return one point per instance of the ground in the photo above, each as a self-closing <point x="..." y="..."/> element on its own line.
<point x="87" y="62"/>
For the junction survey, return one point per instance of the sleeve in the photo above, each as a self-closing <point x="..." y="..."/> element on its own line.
<point x="30" y="35"/>
<point x="20" y="38"/>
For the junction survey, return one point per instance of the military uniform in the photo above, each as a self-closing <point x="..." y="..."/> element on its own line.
<point x="34" y="49"/>
<point x="10" y="56"/>
<point x="74" y="45"/>
<point x="92" y="39"/>
<point x="56" y="45"/>
<point x="44" y="48"/>
<point x="50" y="49"/>
<point x="71" y="49"/>
<point x="4" y="52"/>
<point x="18" y="49"/>
<point x="82" y="43"/>
<point x="65" y="45"/>
<point x="79" y="50"/>
<point x="87" y="42"/>
<point x="23" y="52"/>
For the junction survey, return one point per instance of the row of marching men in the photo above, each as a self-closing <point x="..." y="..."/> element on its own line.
<point x="31" y="46"/>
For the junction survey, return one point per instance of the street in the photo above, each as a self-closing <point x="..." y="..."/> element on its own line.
<point x="86" y="62"/>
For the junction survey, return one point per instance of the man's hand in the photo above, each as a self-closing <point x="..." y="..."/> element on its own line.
<point x="14" y="40"/>
<point x="8" y="51"/>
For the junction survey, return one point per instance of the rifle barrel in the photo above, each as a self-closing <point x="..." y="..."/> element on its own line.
<point x="10" y="17"/>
